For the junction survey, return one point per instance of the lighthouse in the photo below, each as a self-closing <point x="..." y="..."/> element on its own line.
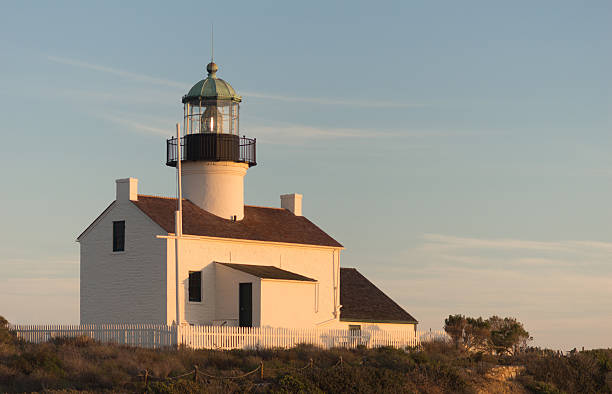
<point x="234" y="265"/>
<point x="214" y="157"/>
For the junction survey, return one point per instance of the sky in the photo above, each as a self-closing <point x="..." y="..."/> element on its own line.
<point x="460" y="151"/>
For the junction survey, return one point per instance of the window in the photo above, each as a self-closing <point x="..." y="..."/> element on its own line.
<point x="195" y="286"/>
<point x="119" y="236"/>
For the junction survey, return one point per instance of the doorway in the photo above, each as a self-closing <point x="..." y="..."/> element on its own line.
<point x="245" y="315"/>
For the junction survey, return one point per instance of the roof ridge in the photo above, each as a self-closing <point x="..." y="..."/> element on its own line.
<point x="259" y="206"/>
<point x="164" y="197"/>
<point x="185" y="199"/>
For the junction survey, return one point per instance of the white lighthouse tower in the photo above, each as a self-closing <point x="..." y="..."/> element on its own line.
<point x="214" y="158"/>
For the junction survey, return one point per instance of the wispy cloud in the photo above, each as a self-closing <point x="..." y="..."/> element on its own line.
<point x="20" y="300"/>
<point x="121" y="73"/>
<point x="543" y="283"/>
<point x="291" y="133"/>
<point x="19" y="268"/>
<point x="39" y="290"/>
<point x="138" y="126"/>
<point x="543" y="301"/>
<point x="280" y="134"/>
<point x="439" y="243"/>
<point x="266" y="96"/>
<point x="332" y="101"/>
<point x="120" y="97"/>
<point x="270" y="132"/>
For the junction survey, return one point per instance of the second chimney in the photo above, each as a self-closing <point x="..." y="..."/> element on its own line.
<point x="127" y="189"/>
<point x="292" y="202"/>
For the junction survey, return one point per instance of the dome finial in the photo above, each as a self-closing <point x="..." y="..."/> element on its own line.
<point x="212" y="69"/>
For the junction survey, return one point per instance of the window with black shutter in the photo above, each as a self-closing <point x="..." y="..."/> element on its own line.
<point x="119" y="236"/>
<point x="195" y="286"/>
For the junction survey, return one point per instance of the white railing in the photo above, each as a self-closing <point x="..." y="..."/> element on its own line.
<point x="223" y="337"/>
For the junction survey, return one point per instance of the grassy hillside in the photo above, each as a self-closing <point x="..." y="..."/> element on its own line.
<point x="85" y="365"/>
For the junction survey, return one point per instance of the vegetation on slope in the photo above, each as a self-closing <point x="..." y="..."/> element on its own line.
<point x="493" y="335"/>
<point x="84" y="365"/>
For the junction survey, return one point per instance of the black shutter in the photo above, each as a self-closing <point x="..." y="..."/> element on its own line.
<point x="195" y="286"/>
<point x="119" y="236"/>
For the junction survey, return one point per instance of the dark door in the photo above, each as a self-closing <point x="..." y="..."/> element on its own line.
<point x="246" y="305"/>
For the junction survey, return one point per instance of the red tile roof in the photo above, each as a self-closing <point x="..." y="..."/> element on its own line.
<point x="362" y="301"/>
<point x="268" y="272"/>
<point x="259" y="223"/>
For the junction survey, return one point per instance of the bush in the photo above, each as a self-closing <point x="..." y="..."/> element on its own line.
<point x="577" y="372"/>
<point x="6" y="336"/>
<point x="494" y="334"/>
<point x="507" y="334"/>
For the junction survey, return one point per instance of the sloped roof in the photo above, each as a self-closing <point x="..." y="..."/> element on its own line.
<point x="362" y="301"/>
<point x="268" y="272"/>
<point x="259" y="223"/>
<point x="212" y="87"/>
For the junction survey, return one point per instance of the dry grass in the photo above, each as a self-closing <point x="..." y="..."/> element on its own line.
<point x="83" y="365"/>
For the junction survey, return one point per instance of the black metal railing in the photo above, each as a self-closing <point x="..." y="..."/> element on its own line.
<point x="212" y="147"/>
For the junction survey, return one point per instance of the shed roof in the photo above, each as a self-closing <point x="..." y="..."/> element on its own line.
<point x="362" y="301"/>
<point x="268" y="272"/>
<point x="259" y="223"/>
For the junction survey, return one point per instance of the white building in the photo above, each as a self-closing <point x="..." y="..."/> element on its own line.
<point x="234" y="264"/>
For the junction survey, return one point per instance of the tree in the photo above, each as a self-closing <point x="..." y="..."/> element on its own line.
<point x="6" y="336"/>
<point x="495" y="334"/>
<point x="454" y="326"/>
<point x="507" y="335"/>
<point x="476" y="334"/>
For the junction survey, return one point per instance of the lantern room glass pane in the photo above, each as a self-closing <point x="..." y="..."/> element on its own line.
<point x="215" y="116"/>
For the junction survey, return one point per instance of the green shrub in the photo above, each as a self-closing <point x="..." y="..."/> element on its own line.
<point x="577" y="372"/>
<point x="6" y="336"/>
<point x="294" y="383"/>
<point x="493" y="334"/>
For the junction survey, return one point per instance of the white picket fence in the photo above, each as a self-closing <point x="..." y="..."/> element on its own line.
<point x="144" y="335"/>
<point x="221" y="337"/>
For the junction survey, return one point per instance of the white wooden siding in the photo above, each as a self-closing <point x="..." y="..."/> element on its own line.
<point x="201" y="254"/>
<point x="128" y="286"/>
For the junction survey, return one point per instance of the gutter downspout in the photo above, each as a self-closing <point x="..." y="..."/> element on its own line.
<point x="336" y="282"/>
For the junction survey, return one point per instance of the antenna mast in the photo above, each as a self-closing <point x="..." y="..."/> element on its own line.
<point x="178" y="219"/>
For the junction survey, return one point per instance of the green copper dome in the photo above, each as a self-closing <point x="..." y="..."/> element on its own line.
<point x="211" y="88"/>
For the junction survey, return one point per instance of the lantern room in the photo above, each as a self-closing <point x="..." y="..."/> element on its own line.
<point x="211" y="128"/>
<point x="212" y="106"/>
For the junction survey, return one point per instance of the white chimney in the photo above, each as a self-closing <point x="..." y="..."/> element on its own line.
<point x="292" y="202"/>
<point x="127" y="189"/>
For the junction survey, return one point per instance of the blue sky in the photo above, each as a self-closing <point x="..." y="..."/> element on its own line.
<point x="461" y="151"/>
